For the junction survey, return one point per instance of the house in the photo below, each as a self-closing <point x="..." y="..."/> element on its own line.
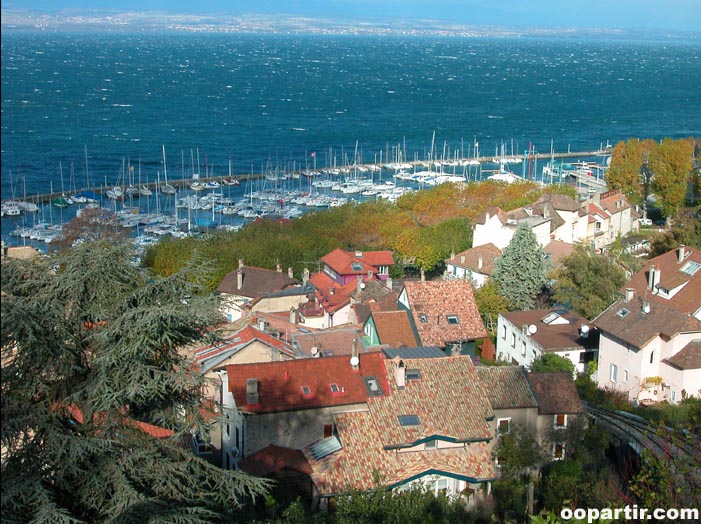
<point x="243" y="289"/>
<point x="291" y="403"/>
<point x="649" y="346"/>
<point x="247" y="345"/>
<point x="443" y="313"/>
<point x="331" y="342"/>
<point x="331" y="303"/>
<point x="609" y="215"/>
<point x="345" y="267"/>
<point x="475" y="264"/>
<point x="497" y="227"/>
<point x="565" y="214"/>
<point x="558" y="406"/>
<point x="555" y="253"/>
<point x="524" y="336"/>
<point x="542" y="403"/>
<point x="391" y="329"/>
<point x="406" y="436"/>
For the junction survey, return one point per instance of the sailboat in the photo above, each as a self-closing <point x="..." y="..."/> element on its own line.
<point x="143" y="190"/>
<point x="166" y="188"/>
<point x="63" y="200"/>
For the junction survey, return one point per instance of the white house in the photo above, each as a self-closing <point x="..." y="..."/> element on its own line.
<point x="475" y="264"/>
<point x="650" y="345"/>
<point x="524" y="336"/>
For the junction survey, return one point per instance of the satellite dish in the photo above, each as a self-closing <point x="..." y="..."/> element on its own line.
<point x="532" y="329"/>
<point x="354" y="361"/>
<point x="584" y="329"/>
<point x="646" y="308"/>
<point x="315" y="351"/>
<point x="362" y="285"/>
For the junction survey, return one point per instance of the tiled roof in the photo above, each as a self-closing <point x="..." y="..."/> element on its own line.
<point x="208" y="356"/>
<point x="256" y="282"/>
<point x="331" y="295"/>
<point x="667" y="316"/>
<point x="506" y="386"/>
<point x="554" y="337"/>
<point x="448" y="401"/>
<point x="280" y="384"/>
<point x="394" y="328"/>
<point x="418" y="352"/>
<point x="614" y="201"/>
<point x="150" y="429"/>
<point x="558" y="250"/>
<point x="431" y="302"/>
<point x="339" y="341"/>
<point x="555" y="393"/>
<point x="557" y="201"/>
<point x="342" y="261"/>
<point x="273" y="459"/>
<point x="470" y="259"/>
<point x="689" y="357"/>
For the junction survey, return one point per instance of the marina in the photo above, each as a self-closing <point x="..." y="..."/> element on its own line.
<point x="182" y="207"/>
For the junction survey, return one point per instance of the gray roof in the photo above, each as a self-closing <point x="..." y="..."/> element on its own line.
<point x="420" y="352"/>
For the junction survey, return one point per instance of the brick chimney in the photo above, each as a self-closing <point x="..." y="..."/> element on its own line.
<point x="400" y="374"/>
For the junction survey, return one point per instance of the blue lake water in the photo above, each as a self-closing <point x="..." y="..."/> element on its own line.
<point x="267" y="102"/>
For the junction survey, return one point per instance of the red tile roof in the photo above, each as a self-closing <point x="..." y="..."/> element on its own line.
<point x="556" y="393"/>
<point x="449" y="402"/>
<point x="689" y="357"/>
<point x="331" y="295"/>
<point x="256" y="282"/>
<point x="507" y="387"/>
<point x="470" y="259"/>
<point x="280" y="383"/>
<point x="394" y="329"/>
<point x="273" y="459"/>
<point x="238" y="341"/>
<point x="432" y="302"/>
<point x="149" y="429"/>
<point x="342" y="261"/>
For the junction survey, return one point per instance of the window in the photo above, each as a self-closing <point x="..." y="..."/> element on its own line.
<point x="373" y="386"/>
<point x="560" y="421"/>
<point x="440" y="486"/>
<point x="423" y="317"/>
<point x="673" y="396"/>
<point x="690" y="268"/>
<point x="523" y="348"/>
<point x="558" y="450"/>
<point x="503" y="332"/>
<point x="306" y="391"/>
<point x="622" y="312"/>
<point x="652" y="357"/>
<point x="452" y="319"/>
<point x="513" y="340"/>
<point x="409" y="420"/>
<point x="413" y="374"/>
<point x="625" y="376"/>
<point x="334" y="388"/>
<point x="328" y="430"/>
<point x="503" y="426"/>
<point x="431" y="444"/>
<point x="613" y="373"/>
<point x="356" y="266"/>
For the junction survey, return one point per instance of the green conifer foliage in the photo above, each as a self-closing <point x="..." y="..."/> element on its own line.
<point x="520" y="272"/>
<point x="89" y="347"/>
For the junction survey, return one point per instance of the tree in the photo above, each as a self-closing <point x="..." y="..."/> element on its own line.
<point x="587" y="283"/>
<point x="89" y="353"/>
<point x="671" y="163"/>
<point x="628" y="171"/>
<point x="520" y="272"/>
<point x="490" y="303"/>
<point x="94" y="223"/>
<point x="552" y="363"/>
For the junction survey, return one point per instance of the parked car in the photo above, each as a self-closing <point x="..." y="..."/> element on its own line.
<point x="645" y="221"/>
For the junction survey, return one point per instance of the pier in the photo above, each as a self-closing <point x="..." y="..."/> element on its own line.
<point x="179" y="184"/>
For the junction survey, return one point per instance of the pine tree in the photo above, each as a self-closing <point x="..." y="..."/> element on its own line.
<point x="520" y="272"/>
<point x="89" y="349"/>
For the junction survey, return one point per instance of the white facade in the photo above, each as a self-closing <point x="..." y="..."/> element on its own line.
<point x="494" y="232"/>
<point x="641" y="372"/>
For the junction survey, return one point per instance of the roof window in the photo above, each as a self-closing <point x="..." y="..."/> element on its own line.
<point x="409" y="420"/>
<point x="413" y="374"/>
<point x="334" y="388"/>
<point x="622" y="312"/>
<point x="356" y="266"/>
<point x="452" y="319"/>
<point x="690" y="268"/>
<point x="306" y="391"/>
<point x="373" y="386"/>
<point x="423" y="317"/>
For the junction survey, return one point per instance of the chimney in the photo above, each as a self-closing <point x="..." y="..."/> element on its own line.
<point x="452" y="255"/>
<point x="388" y="282"/>
<point x="305" y="275"/>
<point x="486" y="216"/>
<point x="261" y="324"/>
<point x="462" y="259"/>
<point x="354" y="347"/>
<point x="278" y="267"/>
<point x="331" y="290"/>
<point x="369" y="274"/>
<point x="681" y="253"/>
<point x="289" y="272"/>
<point x="651" y="277"/>
<point x="359" y="286"/>
<point x="240" y="263"/>
<point x="293" y="315"/>
<point x="358" y="254"/>
<point x="239" y="278"/>
<point x="629" y="294"/>
<point x="252" y="395"/>
<point x="400" y="374"/>
<point x="479" y="262"/>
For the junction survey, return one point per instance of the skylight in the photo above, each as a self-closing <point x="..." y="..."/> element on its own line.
<point x="690" y="268"/>
<point x="334" y="388"/>
<point x="423" y="317"/>
<point x="453" y="319"/>
<point x="622" y="312"/>
<point x="409" y="420"/>
<point x="356" y="266"/>
<point x="413" y="374"/>
<point x="325" y="447"/>
<point x="306" y="391"/>
<point x="373" y="386"/>
<point x="550" y="318"/>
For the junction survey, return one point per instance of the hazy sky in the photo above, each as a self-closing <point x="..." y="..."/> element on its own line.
<point x="627" y="14"/>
